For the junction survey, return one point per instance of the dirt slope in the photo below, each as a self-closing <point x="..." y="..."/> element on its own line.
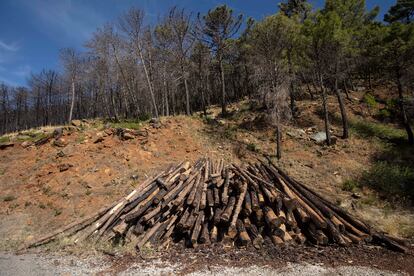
<point x="37" y="197"/>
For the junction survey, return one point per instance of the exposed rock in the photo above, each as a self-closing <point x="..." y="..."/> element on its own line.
<point x="128" y="136"/>
<point x="221" y="122"/>
<point x="26" y="144"/>
<point x="296" y="133"/>
<point x="142" y="133"/>
<point x="310" y="129"/>
<point x="319" y="137"/>
<point x="64" y="167"/>
<point x="57" y="133"/>
<point x="98" y="139"/>
<point x="60" y="143"/>
<point x="109" y="131"/>
<point x="154" y="121"/>
<point x="76" y="123"/>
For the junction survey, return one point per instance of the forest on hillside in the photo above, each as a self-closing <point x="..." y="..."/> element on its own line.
<point x="188" y="61"/>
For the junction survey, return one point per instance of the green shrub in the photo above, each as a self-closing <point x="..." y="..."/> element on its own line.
<point x="209" y="120"/>
<point x="370" y="129"/>
<point x="230" y="132"/>
<point x="253" y="147"/>
<point x="390" y="179"/>
<point x="369" y="99"/>
<point x="384" y="113"/>
<point x="350" y="185"/>
<point x="391" y="103"/>
<point x="4" y="139"/>
<point x="131" y="124"/>
<point x="144" y="117"/>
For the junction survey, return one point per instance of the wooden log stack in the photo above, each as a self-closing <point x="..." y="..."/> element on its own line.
<point x="210" y="202"/>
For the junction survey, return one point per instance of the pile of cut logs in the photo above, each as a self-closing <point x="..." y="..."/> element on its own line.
<point x="212" y="202"/>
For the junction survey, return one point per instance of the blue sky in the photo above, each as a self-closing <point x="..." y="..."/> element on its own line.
<point x="33" y="31"/>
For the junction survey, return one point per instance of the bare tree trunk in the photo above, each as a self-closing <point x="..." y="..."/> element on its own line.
<point x="148" y="82"/>
<point x="325" y="110"/>
<point x="72" y="104"/>
<point x="315" y="87"/>
<point x="346" y="90"/>
<point x="247" y="81"/>
<point x="278" y="139"/>
<point x="292" y="87"/>
<point x="203" y="102"/>
<point x="352" y="84"/>
<point x="404" y="118"/>
<point x="307" y="85"/>
<point x="173" y="100"/>
<point x="114" y="105"/>
<point x="187" y="97"/>
<point x="223" y="88"/>
<point x="344" y="117"/>
<point x="164" y="80"/>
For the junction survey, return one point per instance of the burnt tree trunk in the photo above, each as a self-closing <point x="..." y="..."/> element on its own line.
<point x="404" y="118"/>
<point x="344" y="117"/>
<point x="223" y="87"/>
<point x="325" y="110"/>
<point x="278" y="140"/>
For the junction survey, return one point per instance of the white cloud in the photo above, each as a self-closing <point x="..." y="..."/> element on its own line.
<point x="12" y="47"/>
<point x="73" y="20"/>
<point x="8" y="51"/>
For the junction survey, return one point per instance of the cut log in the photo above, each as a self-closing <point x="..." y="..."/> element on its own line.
<point x="192" y="195"/>
<point x="232" y="228"/>
<point x="255" y="201"/>
<point x="213" y="234"/>
<point x="216" y="197"/>
<point x="197" y="228"/>
<point x="225" y="216"/>
<point x="271" y="219"/>
<point x="247" y="205"/>
<point x="243" y="237"/>
<point x="224" y="195"/>
<point x="205" y="235"/>
<point x="255" y="236"/>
